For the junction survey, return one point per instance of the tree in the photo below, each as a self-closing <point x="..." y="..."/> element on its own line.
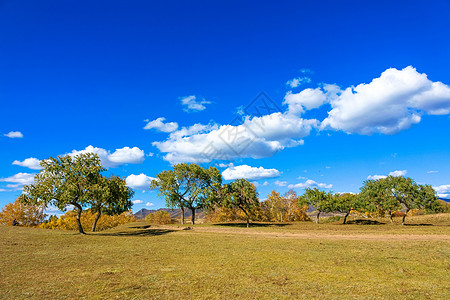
<point x="110" y="196"/>
<point x="343" y="203"/>
<point x="376" y="197"/>
<point x="159" y="217"/>
<point x="188" y="186"/>
<point x="25" y="214"/>
<point x="242" y="194"/>
<point x="399" y="191"/>
<point x="65" y="181"/>
<point x="294" y="211"/>
<point x="278" y="206"/>
<point x="317" y="198"/>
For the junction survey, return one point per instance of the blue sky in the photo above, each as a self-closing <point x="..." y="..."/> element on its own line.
<point x="359" y="89"/>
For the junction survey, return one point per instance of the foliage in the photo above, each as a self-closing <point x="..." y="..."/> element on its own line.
<point x="110" y="196"/>
<point x="343" y="203"/>
<point x="319" y="199"/>
<point x="65" y="181"/>
<point x="159" y="217"/>
<point x="242" y="195"/>
<point x="189" y="186"/>
<point x="391" y="193"/>
<point x="220" y="213"/>
<point x="25" y="214"/>
<point x="68" y="220"/>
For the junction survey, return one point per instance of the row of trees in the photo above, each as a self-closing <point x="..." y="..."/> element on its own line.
<point x="191" y="186"/>
<point x="78" y="182"/>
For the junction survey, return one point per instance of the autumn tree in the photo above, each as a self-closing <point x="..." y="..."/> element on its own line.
<point x="159" y="217"/>
<point x="317" y="198"/>
<point x="295" y="212"/>
<point x="65" y="181"/>
<point x="277" y="206"/>
<point x="242" y="194"/>
<point x="110" y="196"/>
<point x="24" y="214"/>
<point x="188" y="186"/>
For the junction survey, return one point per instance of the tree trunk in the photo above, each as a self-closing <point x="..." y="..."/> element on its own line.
<point x="403" y="220"/>
<point x="317" y="221"/>
<point x="390" y="217"/>
<point x="182" y="215"/>
<point x="345" y="218"/>
<point x="248" y="220"/>
<point x="96" y="220"/>
<point x="78" y="217"/>
<point x="193" y="216"/>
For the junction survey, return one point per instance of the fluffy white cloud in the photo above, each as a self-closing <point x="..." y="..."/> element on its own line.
<point x="32" y="163"/>
<point x="159" y="124"/>
<point x="20" y="179"/>
<point x="137" y="201"/>
<point x="309" y="184"/>
<point x="193" y="103"/>
<point x="255" y="183"/>
<point x="305" y="100"/>
<point x="393" y="173"/>
<point x="149" y="204"/>
<point x="14" y="134"/>
<point x="250" y="173"/>
<point x="125" y="155"/>
<point x="141" y="181"/>
<point x="296" y="82"/>
<point x="281" y="183"/>
<point x="443" y="191"/>
<point x="389" y="104"/>
<point x="258" y="137"/>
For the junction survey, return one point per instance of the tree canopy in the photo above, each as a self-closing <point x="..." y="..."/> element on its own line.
<point x="65" y="181"/>
<point x="242" y="194"/>
<point x="188" y="186"/>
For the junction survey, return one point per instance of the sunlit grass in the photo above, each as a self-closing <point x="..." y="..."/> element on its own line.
<point x="141" y="262"/>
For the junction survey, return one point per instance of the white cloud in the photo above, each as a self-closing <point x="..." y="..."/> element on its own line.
<point x="258" y="137"/>
<point x="14" y="134"/>
<point x="305" y="100"/>
<point x="443" y="191"/>
<point x="20" y="179"/>
<point x="431" y="172"/>
<point x="250" y="173"/>
<point x="309" y="184"/>
<point x="281" y="183"/>
<point x="149" y="204"/>
<point x="137" y="201"/>
<point x="296" y="82"/>
<point x="159" y="124"/>
<point x="389" y="104"/>
<point x="393" y="173"/>
<point x="193" y="103"/>
<point x="125" y="155"/>
<point x="32" y="163"/>
<point x="141" y="181"/>
<point x="255" y="183"/>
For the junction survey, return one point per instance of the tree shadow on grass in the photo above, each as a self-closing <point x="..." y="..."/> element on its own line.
<point x="145" y="232"/>
<point x="365" y="222"/>
<point x="141" y="227"/>
<point x="244" y="225"/>
<point x="423" y="224"/>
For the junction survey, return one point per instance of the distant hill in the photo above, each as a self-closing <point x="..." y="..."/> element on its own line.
<point x="444" y="199"/>
<point x="174" y="213"/>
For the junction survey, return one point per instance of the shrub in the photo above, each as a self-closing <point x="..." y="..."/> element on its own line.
<point x="159" y="217"/>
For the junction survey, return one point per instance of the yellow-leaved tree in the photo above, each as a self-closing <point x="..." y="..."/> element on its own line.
<point x="24" y="214"/>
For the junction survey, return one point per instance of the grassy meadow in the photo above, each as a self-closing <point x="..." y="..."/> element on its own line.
<point x="226" y="261"/>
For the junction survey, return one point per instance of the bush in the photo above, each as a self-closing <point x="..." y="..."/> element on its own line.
<point x="159" y="217"/>
<point x="26" y="215"/>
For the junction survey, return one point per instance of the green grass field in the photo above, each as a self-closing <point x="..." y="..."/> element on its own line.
<point x="297" y="261"/>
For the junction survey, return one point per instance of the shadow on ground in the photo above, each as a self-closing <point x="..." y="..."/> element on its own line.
<point x="252" y="224"/>
<point x="365" y="222"/>
<point x="144" y="232"/>
<point x="419" y="225"/>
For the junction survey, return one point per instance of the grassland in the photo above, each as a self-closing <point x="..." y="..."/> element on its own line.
<point x="222" y="261"/>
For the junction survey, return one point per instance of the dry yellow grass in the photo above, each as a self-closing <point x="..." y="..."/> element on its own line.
<point x="221" y="261"/>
